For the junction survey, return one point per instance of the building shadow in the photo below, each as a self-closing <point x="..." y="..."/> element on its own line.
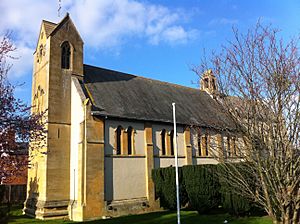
<point x="30" y="205"/>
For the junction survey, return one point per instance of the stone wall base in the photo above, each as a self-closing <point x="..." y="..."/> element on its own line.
<point x="46" y="209"/>
<point x="129" y="207"/>
<point x="82" y="212"/>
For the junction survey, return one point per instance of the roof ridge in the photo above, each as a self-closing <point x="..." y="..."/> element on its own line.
<point x="149" y="79"/>
<point x="60" y="23"/>
<point x="47" y="21"/>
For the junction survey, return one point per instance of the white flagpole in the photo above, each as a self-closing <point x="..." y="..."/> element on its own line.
<point x="176" y="164"/>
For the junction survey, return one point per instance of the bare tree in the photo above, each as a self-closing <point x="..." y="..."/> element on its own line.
<point x="17" y="124"/>
<point x="259" y="86"/>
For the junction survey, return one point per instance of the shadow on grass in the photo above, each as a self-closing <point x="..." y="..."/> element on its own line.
<point x="187" y="217"/>
<point x="155" y="217"/>
<point x="165" y="217"/>
<point x="16" y="216"/>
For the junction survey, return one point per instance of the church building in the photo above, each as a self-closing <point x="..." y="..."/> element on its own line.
<point x="107" y="130"/>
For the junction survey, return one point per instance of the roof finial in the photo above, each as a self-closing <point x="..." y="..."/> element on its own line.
<point x="59" y="8"/>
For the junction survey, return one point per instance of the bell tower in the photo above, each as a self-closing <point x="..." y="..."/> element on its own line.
<point x="208" y="82"/>
<point x="57" y="58"/>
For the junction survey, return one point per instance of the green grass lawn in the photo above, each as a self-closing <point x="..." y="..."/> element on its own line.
<point x="187" y="217"/>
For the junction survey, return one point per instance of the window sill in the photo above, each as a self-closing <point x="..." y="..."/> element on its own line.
<point x="126" y="156"/>
<point x="168" y="156"/>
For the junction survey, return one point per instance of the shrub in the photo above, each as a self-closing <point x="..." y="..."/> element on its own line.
<point x="231" y="199"/>
<point x="202" y="187"/>
<point x="165" y="187"/>
<point x="235" y="204"/>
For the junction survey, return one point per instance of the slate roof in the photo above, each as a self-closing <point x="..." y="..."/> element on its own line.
<point x="116" y="94"/>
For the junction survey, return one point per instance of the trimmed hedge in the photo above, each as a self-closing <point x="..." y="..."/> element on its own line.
<point x="231" y="200"/>
<point x="235" y="204"/>
<point x="165" y="187"/>
<point x="200" y="188"/>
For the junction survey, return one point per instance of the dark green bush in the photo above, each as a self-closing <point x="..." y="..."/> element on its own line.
<point x="202" y="187"/>
<point x="231" y="199"/>
<point x="235" y="204"/>
<point x="165" y="187"/>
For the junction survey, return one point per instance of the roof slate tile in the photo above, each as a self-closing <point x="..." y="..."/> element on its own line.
<point x="122" y="95"/>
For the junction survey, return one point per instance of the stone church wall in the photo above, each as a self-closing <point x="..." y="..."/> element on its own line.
<point x="77" y="118"/>
<point x="166" y="162"/>
<point x="157" y="128"/>
<point x="125" y="178"/>
<point x="125" y="175"/>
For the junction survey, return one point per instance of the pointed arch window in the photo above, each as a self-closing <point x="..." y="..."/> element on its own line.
<point x="213" y="83"/>
<point x="119" y="140"/>
<point x="228" y="147"/>
<point x="199" y="143"/>
<point x="206" y="83"/>
<point x="172" y="142"/>
<point x="234" y="152"/>
<point x="41" y="51"/>
<point x="231" y="146"/>
<point x="65" y="55"/>
<point x="204" y="145"/>
<point x="163" y="142"/>
<point x="130" y="140"/>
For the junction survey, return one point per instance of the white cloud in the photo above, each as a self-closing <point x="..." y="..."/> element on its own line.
<point x="102" y="24"/>
<point x="24" y="17"/>
<point x="23" y="61"/>
<point x="109" y="23"/>
<point x="223" y="21"/>
<point x="178" y="34"/>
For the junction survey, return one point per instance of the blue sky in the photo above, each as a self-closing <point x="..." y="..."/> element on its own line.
<point x="156" y="39"/>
